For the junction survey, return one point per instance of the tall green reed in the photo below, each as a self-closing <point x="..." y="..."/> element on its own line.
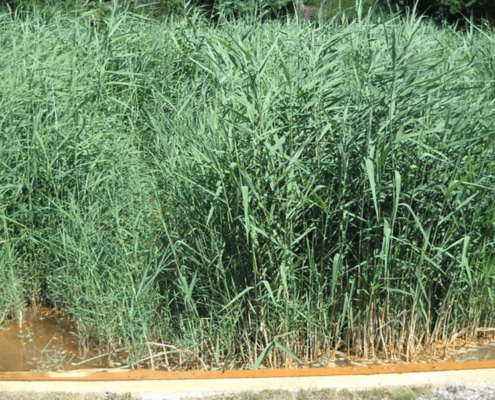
<point x="327" y="181"/>
<point x="251" y="192"/>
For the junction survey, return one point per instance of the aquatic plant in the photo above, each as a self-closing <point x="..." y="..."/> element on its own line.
<point x="252" y="185"/>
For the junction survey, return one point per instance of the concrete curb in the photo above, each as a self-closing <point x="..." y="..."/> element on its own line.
<point x="147" y="384"/>
<point x="147" y="375"/>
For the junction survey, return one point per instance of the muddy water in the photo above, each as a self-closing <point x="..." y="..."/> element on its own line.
<point x="43" y="341"/>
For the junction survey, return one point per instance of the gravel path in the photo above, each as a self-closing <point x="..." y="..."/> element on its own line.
<point x="453" y="392"/>
<point x="450" y="392"/>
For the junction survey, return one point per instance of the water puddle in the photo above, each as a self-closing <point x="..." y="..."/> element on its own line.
<point x="44" y="341"/>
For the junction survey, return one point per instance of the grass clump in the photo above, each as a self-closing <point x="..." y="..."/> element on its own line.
<point x="252" y="185"/>
<point x="11" y="295"/>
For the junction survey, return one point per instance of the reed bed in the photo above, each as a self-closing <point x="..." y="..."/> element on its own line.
<point x="250" y="193"/>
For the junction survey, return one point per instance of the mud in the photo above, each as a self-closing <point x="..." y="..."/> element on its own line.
<point x="476" y="352"/>
<point x="43" y="341"/>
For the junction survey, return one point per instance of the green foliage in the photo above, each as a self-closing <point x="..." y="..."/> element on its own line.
<point x="11" y="292"/>
<point x="243" y="8"/>
<point x="450" y="10"/>
<point x="95" y="9"/>
<point x="78" y="195"/>
<point x="249" y="191"/>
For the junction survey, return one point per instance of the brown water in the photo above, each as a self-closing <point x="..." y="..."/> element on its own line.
<point x="44" y="341"/>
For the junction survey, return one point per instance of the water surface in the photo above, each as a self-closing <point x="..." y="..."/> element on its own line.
<point x="43" y="340"/>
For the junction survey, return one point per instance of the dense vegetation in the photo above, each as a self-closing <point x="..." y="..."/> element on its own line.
<point x="249" y="186"/>
<point x="450" y="10"/>
<point x="453" y="11"/>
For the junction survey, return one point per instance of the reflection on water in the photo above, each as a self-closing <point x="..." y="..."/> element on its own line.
<point x="43" y="341"/>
